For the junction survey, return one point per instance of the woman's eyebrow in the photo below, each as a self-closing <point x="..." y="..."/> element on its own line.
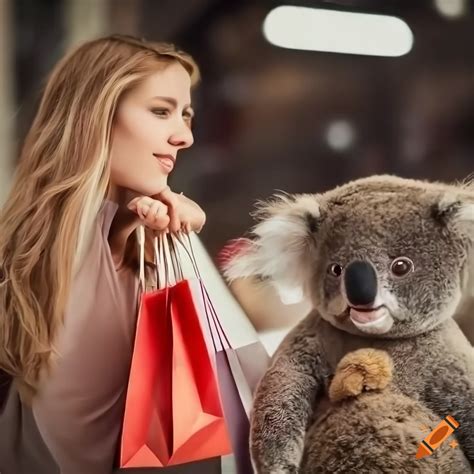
<point x="173" y="102"/>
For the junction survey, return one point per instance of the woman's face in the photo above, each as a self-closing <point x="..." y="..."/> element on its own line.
<point x="152" y="123"/>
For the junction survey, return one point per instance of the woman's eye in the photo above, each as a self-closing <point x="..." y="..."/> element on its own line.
<point x="161" y="112"/>
<point x="335" y="269"/>
<point x="401" y="266"/>
<point x="188" y="117"/>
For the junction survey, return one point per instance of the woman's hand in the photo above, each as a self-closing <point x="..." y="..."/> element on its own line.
<point x="151" y="212"/>
<point x="141" y="210"/>
<point x="184" y="213"/>
<point x="168" y="211"/>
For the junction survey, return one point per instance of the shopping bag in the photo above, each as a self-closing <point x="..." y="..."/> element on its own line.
<point x="238" y="369"/>
<point x="173" y="412"/>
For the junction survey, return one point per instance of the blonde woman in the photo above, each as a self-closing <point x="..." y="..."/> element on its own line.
<point x="113" y="116"/>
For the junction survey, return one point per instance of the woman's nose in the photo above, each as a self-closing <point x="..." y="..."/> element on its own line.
<point x="182" y="137"/>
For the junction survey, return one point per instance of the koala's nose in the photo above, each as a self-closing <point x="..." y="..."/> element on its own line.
<point x="360" y="280"/>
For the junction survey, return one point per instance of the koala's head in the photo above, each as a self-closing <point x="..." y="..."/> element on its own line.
<point x="381" y="255"/>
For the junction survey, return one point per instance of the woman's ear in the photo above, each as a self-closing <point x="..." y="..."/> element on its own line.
<point x="282" y="243"/>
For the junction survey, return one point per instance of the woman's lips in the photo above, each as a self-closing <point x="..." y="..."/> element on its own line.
<point x="166" y="161"/>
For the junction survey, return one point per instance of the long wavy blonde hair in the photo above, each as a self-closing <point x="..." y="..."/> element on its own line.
<point x="59" y="187"/>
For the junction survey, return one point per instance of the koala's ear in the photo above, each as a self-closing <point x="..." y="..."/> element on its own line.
<point x="456" y="210"/>
<point x="284" y="239"/>
<point x="465" y="218"/>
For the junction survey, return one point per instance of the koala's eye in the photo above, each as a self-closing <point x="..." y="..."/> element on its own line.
<point x="335" y="269"/>
<point x="401" y="266"/>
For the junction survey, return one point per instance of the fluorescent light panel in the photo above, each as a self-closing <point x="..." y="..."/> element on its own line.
<point x="315" y="29"/>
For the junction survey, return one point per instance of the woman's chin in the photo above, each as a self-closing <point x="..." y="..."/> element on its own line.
<point x="153" y="189"/>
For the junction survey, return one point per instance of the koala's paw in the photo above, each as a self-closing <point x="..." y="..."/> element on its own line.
<point x="364" y="369"/>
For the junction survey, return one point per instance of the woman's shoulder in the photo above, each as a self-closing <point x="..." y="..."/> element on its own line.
<point x="98" y="250"/>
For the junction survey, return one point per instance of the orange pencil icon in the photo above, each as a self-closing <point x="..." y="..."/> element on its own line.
<point x="436" y="437"/>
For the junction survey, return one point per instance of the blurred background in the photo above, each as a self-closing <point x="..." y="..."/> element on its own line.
<point x="270" y="118"/>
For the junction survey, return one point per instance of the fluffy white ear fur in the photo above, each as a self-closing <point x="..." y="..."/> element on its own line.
<point x="280" y="250"/>
<point x="456" y="208"/>
<point x="466" y="216"/>
<point x="464" y="314"/>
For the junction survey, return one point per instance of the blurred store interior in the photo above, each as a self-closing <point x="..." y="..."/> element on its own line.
<point x="268" y="117"/>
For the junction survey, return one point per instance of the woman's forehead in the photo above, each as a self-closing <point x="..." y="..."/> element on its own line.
<point x="173" y="81"/>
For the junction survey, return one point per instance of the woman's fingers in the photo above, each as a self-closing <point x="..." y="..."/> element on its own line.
<point x="154" y="210"/>
<point x="158" y="216"/>
<point x="143" y="209"/>
<point x="153" y="213"/>
<point x="171" y="212"/>
<point x="175" y="223"/>
<point x="172" y="201"/>
<point x="132" y="205"/>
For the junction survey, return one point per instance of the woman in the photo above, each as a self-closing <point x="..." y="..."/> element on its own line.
<point x="113" y="116"/>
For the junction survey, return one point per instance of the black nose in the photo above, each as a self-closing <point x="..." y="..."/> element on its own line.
<point x="361" y="283"/>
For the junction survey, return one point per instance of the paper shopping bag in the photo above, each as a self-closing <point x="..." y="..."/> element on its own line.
<point x="173" y="413"/>
<point x="238" y="371"/>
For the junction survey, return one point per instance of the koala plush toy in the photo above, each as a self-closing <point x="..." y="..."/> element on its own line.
<point x="369" y="427"/>
<point x="386" y="262"/>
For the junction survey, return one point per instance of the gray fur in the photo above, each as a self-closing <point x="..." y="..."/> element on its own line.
<point x="375" y="219"/>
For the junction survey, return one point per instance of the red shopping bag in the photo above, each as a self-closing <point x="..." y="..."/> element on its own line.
<point x="173" y="412"/>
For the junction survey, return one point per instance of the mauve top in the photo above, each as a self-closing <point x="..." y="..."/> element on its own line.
<point x="74" y="423"/>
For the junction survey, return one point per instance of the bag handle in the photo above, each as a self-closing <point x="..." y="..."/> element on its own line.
<point x="166" y="251"/>
<point x="167" y="257"/>
<point x="164" y="260"/>
<point x="141" y="256"/>
<point x="211" y="313"/>
<point x="166" y="273"/>
<point x="181" y="238"/>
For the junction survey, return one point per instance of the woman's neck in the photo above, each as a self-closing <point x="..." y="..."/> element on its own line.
<point x="119" y="195"/>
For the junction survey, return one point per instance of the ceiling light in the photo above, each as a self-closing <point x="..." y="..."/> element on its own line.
<point x="316" y="29"/>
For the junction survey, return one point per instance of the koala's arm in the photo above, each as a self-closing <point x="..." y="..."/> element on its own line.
<point x="450" y="391"/>
<point x="284" y="400"/>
